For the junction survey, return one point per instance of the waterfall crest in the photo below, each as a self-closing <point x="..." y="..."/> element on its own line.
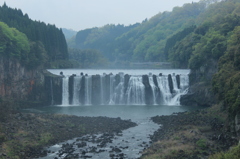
<point x="124" y="89"/>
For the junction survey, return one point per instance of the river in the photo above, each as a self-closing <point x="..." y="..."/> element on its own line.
<point x="130" y="142"/>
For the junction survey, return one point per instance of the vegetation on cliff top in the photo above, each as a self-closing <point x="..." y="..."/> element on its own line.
<point x="213" y="47"/>
<point x="44" y="42"/>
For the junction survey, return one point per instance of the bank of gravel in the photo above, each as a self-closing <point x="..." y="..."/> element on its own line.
<point x="190" y="135"/>
<point x="23" y="135"/>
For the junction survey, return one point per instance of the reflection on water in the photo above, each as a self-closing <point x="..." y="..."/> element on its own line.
<point x="132" y="112"/>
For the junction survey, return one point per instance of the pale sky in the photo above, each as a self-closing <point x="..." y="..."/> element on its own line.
<point x="82" y="14"/>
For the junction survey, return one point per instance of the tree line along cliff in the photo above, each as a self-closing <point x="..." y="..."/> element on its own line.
<point x="27" y="47"/>
<point x="32" y="42"/>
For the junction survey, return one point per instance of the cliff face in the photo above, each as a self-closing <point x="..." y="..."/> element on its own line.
<point x="18" y="83"/>
<point x="200" y="91"/>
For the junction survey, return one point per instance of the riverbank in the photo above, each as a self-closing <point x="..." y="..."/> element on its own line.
<point x="23" y="135"/>
<point x="191" y="135"/>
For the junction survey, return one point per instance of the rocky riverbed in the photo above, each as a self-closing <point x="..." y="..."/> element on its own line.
<point x="24" y="135"/>
<point x="190" y="135"/>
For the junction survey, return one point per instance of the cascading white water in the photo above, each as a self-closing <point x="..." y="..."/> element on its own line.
<point x="135" y="91"/>
<point x="102" y="89"/>
<point x="65" y="92"/>
<point x="154" y="89"/>
<point x="111" y="102"/>
<point x="118" y="90"/>
<point x="176" y="93"/>
<point x="88" y="90"/>
<point x="118" y="95"/>
<point x="163" y="85"/>
<point x="52" y="99"/>
<point x="76" y="90"/>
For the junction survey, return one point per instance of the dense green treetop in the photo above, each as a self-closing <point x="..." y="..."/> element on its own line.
<point x="14" y="44"/>
<point x="88" y="58"/>
<point x="51" y="37"/>
<point x="102" y="39"/>
<point x="213" y="46"/>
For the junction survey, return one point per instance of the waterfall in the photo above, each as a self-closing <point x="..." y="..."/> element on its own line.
<point x="176" y="93"/>
<point x="163" y="84"/>
<point x="135" y="91"/>
<point x="124" y="89"/>
<point x="65" y="92"/>
<point x="76" y="90"/>
<point x="154" y="89"/>
<point x="111" y="102"/>
<point x="102" y="89"/>
<point x="52" y="98"/>
<point x="88" y="90"/>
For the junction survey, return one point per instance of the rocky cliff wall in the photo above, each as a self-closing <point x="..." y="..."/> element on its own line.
<point x="200" y="91"/>
<point x="23" y="85"/>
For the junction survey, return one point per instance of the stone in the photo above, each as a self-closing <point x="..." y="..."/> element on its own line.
<point x="237" y="124"/>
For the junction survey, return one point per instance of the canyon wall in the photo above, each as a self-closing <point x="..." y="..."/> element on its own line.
<point x="25" y="86"/>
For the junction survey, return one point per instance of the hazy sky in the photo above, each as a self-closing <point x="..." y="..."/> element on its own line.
<point x="82" y="14"/>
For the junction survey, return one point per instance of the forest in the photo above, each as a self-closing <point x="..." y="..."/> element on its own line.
<point x="141" y="42"/>
<point x="34" y="43"/>
<point x="202" y="36"/>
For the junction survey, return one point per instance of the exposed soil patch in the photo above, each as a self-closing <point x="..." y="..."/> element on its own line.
<point x="23" y="135"/>
<point x="189" y="135"/>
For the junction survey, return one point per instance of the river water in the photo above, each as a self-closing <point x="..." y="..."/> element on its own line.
<point x="130" y="142"/>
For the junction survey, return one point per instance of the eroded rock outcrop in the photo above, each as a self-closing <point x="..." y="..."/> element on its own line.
<point x="17" y="82"/>
<point x="200" y="91"/>
<point x="27" y="86"/>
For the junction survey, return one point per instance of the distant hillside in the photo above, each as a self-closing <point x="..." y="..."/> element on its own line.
<point x="102" y="39"/>
<point x="69" y="33"/>
<point x="140" y="42"/>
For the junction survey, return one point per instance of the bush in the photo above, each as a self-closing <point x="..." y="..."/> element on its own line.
<point x="202" y="143"/>
<point x="234" y="153"/>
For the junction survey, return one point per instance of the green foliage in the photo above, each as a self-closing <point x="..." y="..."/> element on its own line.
<point x="215" y="39"/>
<point x="13" y="43"/>
<point x="37" y="55"/>
<point x="45" y="138"/>
<point x="140" y="42"/>
<point x="64" y="64"/>
<point x="102" y="39"/>
<point x="233" y="153"/>
<point x="226" y="81"/>
<point x="198" y="48"/>
<point x="202" y="143"/>
<point x="51" y="37"/>
<point x="88" y="58"/>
